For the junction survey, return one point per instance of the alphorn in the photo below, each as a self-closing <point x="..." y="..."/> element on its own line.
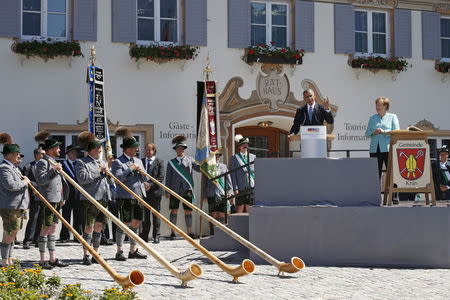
<point x="295" y="265"/>
<point x="191" y="273"/>
<point x="245" y="268"/>
<point x="134" y="278"/>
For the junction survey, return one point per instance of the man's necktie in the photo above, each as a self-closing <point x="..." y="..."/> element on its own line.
<point x="310" y="112"/>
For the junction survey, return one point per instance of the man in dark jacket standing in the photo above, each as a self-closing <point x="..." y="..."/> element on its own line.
<point x="154" y="167"/>
<point x="441" y="175"/>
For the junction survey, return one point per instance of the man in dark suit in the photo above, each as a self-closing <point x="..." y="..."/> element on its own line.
<point x="441" y="175"/>
<point x="312" y="113"/>
<point x="154" y="167"/>
<point x="73" y="203"/>
<point x="31" y="234"/>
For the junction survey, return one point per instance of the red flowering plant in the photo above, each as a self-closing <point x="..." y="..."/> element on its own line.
<point x="163" y="53"/>
<point x="442" y="67"/>
<point x="47" y="49"/>
<point x="393" y="64"/>
<point x="270" y="53"/>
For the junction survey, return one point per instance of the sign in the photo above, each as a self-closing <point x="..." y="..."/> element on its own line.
<point x="272" y="88"/>
<point x="97" y="119"/>
<point x="411" y="165"/>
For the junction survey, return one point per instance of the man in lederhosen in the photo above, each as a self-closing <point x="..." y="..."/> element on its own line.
<point x="34" y="222"/>
<point x="244" y="178"/>
<point x="90" y="173"/>
<point x="14" y="197"/>
<point x="55" y="189"/>
<point x="126" y="168"/>
<point x="154" y="166"/>
<point x="72" y="205"/>
<point x="179" y="179"/>
<point x="216" y="193"/>
<point x="441" y="175"/>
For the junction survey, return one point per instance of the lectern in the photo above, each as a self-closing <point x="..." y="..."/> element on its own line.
<point x="408" y="169"/>
<point x="313" y="141"/>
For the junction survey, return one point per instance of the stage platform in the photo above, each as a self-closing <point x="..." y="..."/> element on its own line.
<point x="398" y="236"/>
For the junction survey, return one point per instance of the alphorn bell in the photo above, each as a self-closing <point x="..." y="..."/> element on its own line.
<point x="191" y="273"/>
<point x="246" y="267"/>
<point x="134" y="278"/>
<point x="295" y="265"/>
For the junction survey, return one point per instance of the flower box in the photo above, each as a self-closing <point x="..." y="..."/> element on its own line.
<point x="47" y="49"/>
<point x="273" y="55"/>
<point x="442" y="67"/>
<point x="375" y="63"/>
<point x="161" y="54"/>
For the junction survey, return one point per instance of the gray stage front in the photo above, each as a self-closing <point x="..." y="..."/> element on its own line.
<point x="348" y="235"/>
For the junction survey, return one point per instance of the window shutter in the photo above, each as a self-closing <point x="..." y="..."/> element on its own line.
<point x="304" y="25"/>
<point x="238" y="23"/>
<point x="10" y="18"/>
<point x="431" y="35"/>
<point x="402" y="33"/>
<point x="344" y="29"/>
<point x="85" y="20"/>
<point x="196" y="22"/>
<point x="124" y="21"/>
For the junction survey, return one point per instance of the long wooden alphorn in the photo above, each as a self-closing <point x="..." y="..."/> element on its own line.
<point x="134" y="278"/>
<point x="295" y="265"/>
<point x="245" y="268"/>
<point x="191" y="273"/>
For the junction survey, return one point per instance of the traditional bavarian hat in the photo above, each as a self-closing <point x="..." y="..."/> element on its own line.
<point x="87" y="141"/>
<point x="240" y="140"/>
<point x="444" y="149"/>
<point x="179" y="141"/>
<point x="128" y="140"/>
<point x="8" y="144"/>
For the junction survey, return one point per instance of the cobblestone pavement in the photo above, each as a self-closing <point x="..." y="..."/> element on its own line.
<point x="310" y="283"/>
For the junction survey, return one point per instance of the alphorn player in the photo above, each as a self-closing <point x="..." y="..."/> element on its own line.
<point x="126" y="168"/>
<point x="244" y="178"/>
<point x="91" y="176"/>
<point x="14" y="196"/>
<point x="179" y="179"/>
<point x="55" y="189"/>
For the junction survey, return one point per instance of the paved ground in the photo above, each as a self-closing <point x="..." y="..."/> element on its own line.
<point x="311" y="283"/>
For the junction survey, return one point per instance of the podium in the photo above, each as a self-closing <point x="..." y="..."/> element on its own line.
<point x="313" y="141"/>
<point x="409" y="166"/>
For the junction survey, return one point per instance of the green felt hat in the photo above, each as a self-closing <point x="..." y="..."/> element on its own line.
<point x="10" y="148"/>
<point x="129" y="142"/>
<point x="49" y="144"/>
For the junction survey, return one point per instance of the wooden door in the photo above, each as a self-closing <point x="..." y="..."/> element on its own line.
<point x="266" y="142"/>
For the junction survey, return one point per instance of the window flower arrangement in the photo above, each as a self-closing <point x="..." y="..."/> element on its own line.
<point x="47" y="49"/>
<point x="271" y="54"/>
<point x="161" y="54"/>
<point x="442" y="67"/>
<point x="375" y="63"/>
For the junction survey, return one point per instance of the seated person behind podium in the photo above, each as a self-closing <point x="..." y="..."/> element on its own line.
<point x="312" y="113"/>
<point x="379" y="125"/>
<point x="441" y="175"/>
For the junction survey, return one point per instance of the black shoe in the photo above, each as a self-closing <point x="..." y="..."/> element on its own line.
<point x="395" y="202"/>
<point x="26" y="245"/>
<point x="87" y="261"/>
<point x="106" y="242"/>
<point x="63" y="241"/>
<point x="137" y="254"/>
<point x="58" y="263"/>
<point x="46" y="265"/>
<point x="76" y="241"/>
<point x="192" y="236"/>
<point x="172" y="236"/>
<point x="120" y="256"/>
<point x="156" y="240"/>
<point x="94" y="261"/>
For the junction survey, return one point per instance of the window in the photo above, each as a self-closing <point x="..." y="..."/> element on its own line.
<point x="371" y="35"/>
<point x="157" y="21"/>
<point x="44" y="19"/>
<point x="269" y="24"/>
<point x="445" y="38"/>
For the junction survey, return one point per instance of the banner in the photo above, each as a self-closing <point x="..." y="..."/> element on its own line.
<point x="411" y="165"/>
<point x="207" y="131"/>
<point x="97" y="113"/>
